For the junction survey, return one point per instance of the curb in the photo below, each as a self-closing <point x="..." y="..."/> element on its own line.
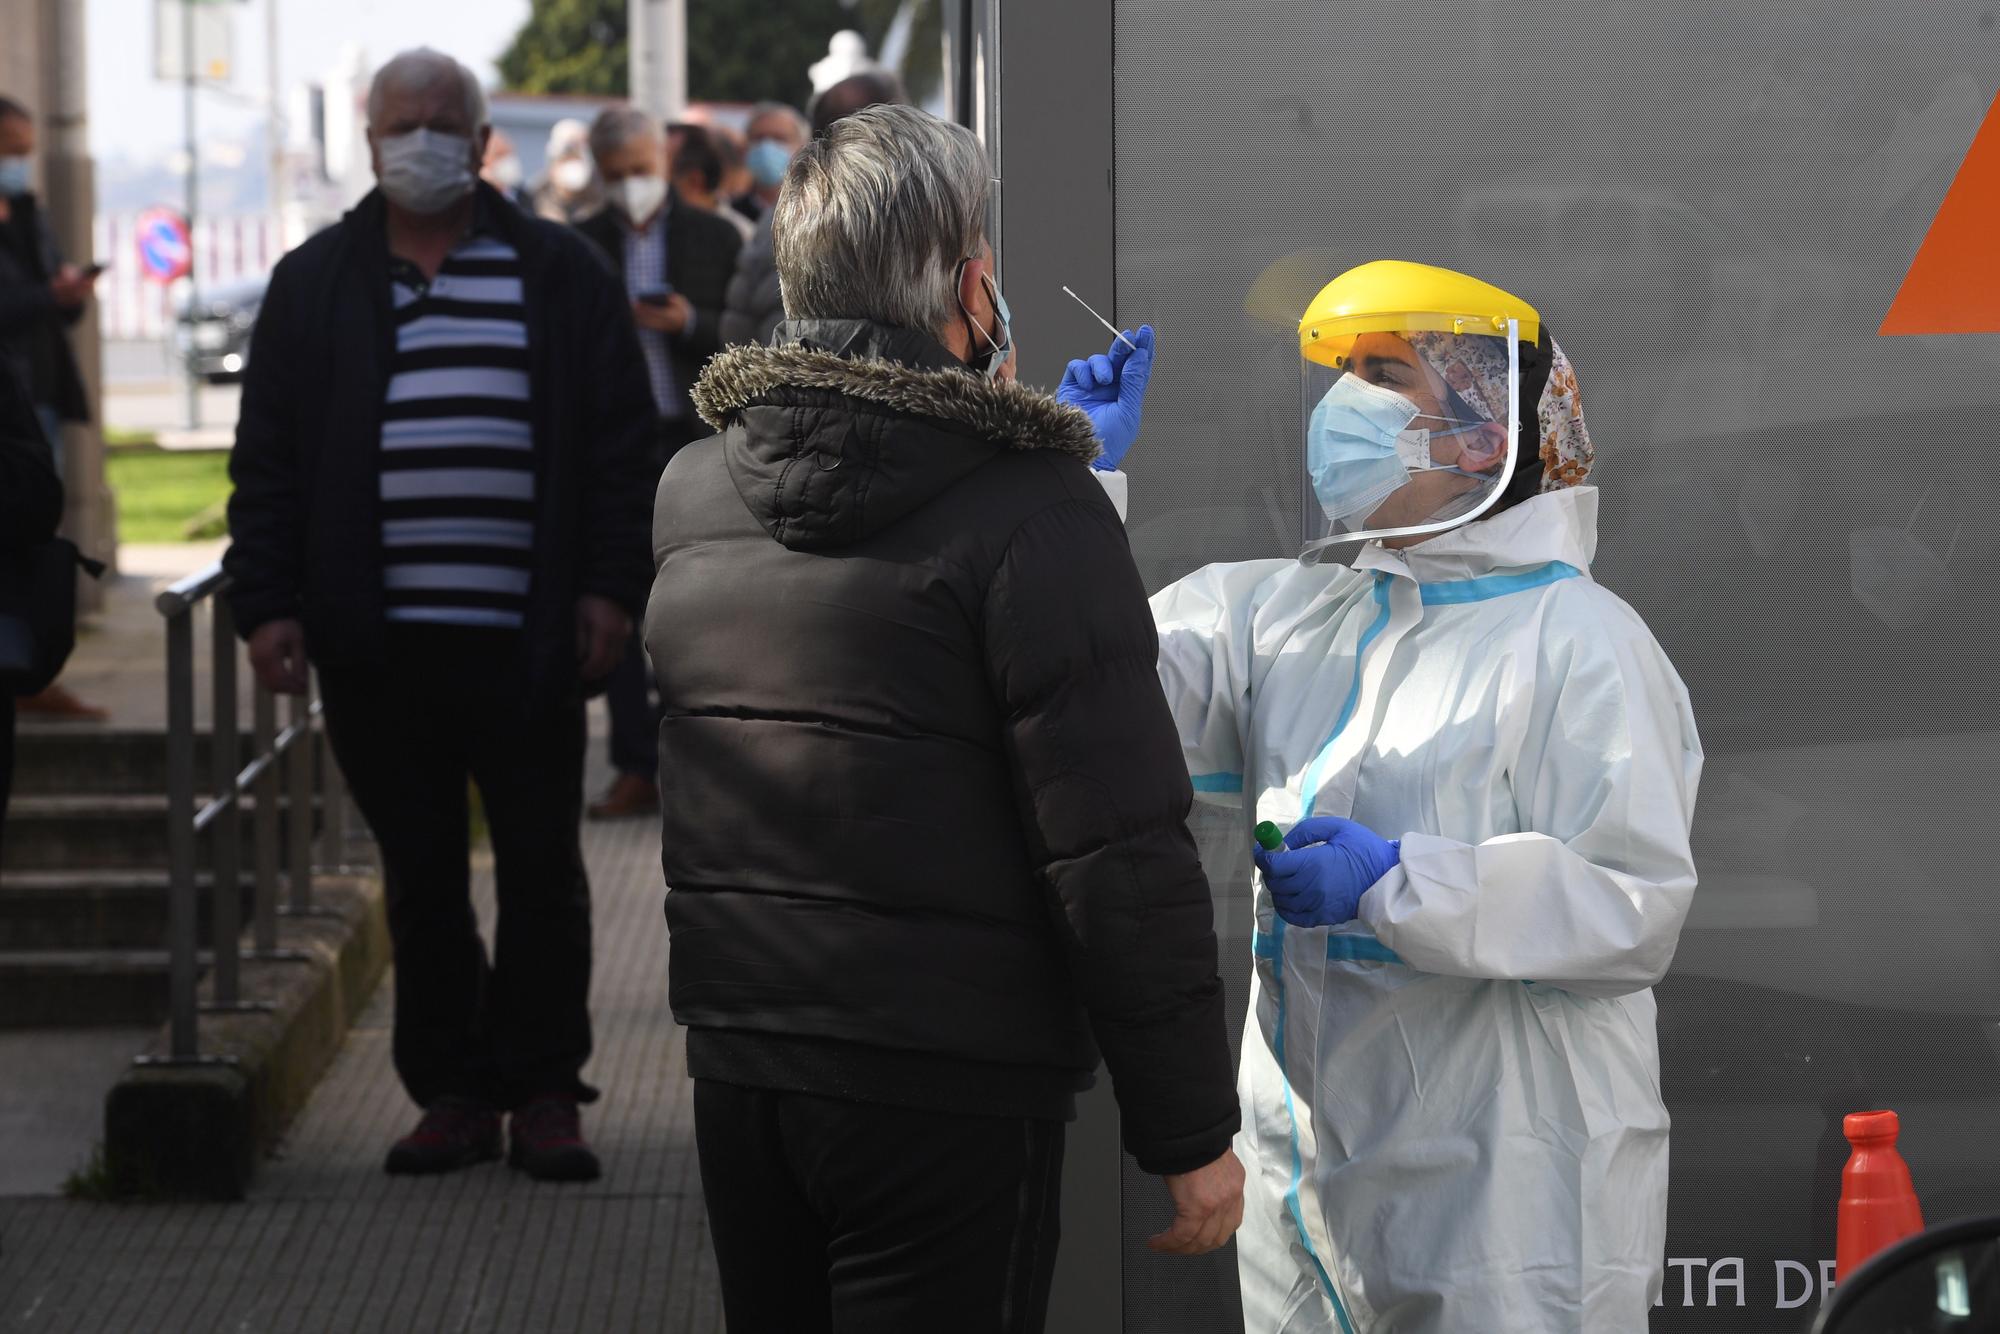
<point x="198" y="1131"/>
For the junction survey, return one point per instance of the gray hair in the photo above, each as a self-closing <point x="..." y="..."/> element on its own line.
<point x="420" y="70"/>
<point x="801" y="127"/>
<point x="876" y="214"/>
<point x="617" y="126"/>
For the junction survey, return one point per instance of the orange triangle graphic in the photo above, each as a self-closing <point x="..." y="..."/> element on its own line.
<point x="1953" y="285"/>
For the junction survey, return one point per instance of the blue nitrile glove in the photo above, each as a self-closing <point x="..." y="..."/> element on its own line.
<point x="1326" y="865"/>
<point x="1111" y="390"/>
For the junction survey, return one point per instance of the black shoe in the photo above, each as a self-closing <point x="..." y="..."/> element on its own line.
<point x="548" y="1141"/>
<point x="454" y="1133"/>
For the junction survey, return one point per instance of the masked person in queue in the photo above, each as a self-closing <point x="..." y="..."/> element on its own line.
<point x="568" y="189"/>
<point x="41" y="299"/>
<point x="675" y="262"/>
<point x="441" y="473"/>
<point x="777" y="133"/>
<point x="1486" y="769"/>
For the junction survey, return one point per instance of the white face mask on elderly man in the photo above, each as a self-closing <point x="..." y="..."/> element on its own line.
<point x="425" y="171"/>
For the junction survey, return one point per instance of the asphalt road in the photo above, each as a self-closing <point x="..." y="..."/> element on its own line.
<point x="146" y="390"/>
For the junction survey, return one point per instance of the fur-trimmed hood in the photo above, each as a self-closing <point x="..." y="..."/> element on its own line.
<point x="842" y="427"/>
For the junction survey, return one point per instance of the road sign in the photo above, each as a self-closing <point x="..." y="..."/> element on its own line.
<point x="165" y="252"/>
<point x="214" y="33"/>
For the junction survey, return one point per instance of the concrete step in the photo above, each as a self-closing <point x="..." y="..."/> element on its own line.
<point x="77" y="833"/>
<point x="67" y="760"/>
<point x="62" y="759"/>
<point x="82" y="988"/>
<point x="72" y="910"/>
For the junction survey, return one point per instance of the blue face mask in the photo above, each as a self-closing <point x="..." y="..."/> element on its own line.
<point x="1351" y="446"/>
<point x="767" y="161"/>
<point x="15" y="175"/>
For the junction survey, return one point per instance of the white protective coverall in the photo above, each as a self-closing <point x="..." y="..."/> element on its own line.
<point x="1452" y="1111"/>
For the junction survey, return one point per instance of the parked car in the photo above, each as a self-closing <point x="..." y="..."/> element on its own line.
<point x="213" y="337"/>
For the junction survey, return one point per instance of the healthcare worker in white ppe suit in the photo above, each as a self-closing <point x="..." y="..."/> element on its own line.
<point x="1486" y="768"/>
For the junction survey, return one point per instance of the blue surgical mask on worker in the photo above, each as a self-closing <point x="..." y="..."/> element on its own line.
<point x="767" y="161"/>
<point x="16" y="175"/>
<point x="1354" y="446"/>
<point x="426" y="171"/>
<point x="987" y="360"/>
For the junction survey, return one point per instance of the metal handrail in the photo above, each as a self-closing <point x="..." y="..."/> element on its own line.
<point x="181" y="596"/>
<point x="221" y="819"/>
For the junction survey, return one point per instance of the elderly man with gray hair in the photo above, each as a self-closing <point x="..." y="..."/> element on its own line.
<point x="924" y="808"/>
<point x="440" y="470"/>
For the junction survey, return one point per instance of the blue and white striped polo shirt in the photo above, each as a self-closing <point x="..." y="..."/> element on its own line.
<point x="458" y="444"/>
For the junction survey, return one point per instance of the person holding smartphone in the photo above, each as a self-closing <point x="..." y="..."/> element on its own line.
<point x="676" y="261"/>
<point x="41" y="297"/>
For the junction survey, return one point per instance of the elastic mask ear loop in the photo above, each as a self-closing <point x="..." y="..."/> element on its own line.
<point x="994" y="353"/>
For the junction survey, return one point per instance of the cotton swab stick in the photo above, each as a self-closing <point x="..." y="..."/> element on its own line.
<point x="1101" y="320"/>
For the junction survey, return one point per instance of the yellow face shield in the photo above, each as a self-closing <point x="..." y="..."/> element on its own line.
<point x="1410" y="381"/>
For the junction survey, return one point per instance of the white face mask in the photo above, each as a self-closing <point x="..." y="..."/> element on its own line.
<point x="639" y="197"/>
<point x="571" y="175"/>
<point x="424" y="171"/>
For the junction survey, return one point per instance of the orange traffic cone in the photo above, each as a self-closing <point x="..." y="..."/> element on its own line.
<point x="1878" y="1203"/>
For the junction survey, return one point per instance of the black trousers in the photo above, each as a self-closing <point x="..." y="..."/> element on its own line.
<point x="452" y="705"/>
<point x="628" y="693"/>
<point x="635" y="715"/>
<point x="829" y="1215"/>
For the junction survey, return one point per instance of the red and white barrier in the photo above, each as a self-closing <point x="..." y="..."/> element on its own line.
<point x="131" y="304"/>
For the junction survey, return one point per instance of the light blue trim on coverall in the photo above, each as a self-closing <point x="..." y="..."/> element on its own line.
<point x="1364" y="948"/>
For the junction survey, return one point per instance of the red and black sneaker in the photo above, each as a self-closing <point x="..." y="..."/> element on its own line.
<point x="454" y="1133"/>
<point x="548" y="1141"/>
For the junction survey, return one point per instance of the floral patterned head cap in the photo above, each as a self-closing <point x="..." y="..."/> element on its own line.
<point x="1476" y="369"/>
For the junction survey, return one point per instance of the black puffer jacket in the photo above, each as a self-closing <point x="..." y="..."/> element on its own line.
<point x="924" y="805"/>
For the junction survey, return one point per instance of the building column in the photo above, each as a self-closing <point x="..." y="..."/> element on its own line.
<point x="69" y="185"/>
<point x="656" y="43"/>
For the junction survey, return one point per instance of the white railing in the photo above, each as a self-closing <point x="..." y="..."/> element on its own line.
<point x="226" y="249"/>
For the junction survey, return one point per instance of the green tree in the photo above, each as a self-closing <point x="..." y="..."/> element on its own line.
<point x="569" y="46"/>
<point x="738" y="50"/>
<point x="750" y="50"/>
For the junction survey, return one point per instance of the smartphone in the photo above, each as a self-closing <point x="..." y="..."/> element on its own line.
<point x="92" y="269"/>
<point x="656" y="296"/>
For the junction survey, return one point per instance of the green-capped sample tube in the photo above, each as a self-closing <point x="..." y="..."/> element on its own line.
<point x="1269" y="836"/>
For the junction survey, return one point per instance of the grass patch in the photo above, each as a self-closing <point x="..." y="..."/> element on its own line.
<point x="92" y="1181"/>
<point x="169" y="497"/>
<point x="124" y="437"/>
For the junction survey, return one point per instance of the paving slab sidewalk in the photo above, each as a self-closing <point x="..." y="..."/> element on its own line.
<point x="327" y="1242"/>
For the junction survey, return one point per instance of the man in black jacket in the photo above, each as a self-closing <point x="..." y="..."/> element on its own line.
<point x="675" y="262"/>
<point x="440" y="468"/>
<point x="923" y="804"/>
<point x="31" y="503"/>
<point x="41" y="298"/>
